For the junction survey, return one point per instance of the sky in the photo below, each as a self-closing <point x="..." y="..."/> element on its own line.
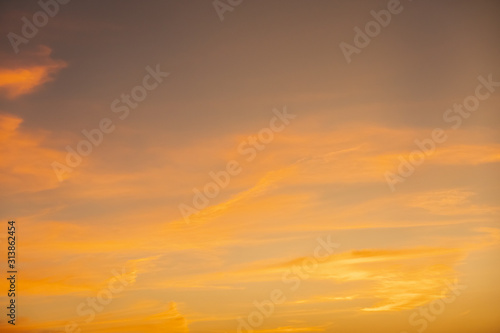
<point x="251" y="166"/>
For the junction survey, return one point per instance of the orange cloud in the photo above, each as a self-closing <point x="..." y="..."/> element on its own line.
<point x="400" y="279"/>
<point x="25" y="163"/>
<point x="24" y="76"/>
<point x="450" y="202"/>
<point x="142" y="319"/>
<point x="292" y="329"/>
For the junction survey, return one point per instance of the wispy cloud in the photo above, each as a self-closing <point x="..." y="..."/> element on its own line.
<point x="23" y="75"/>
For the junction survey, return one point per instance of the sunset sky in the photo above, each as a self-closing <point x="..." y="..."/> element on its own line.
<point x="323" y="192"/>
